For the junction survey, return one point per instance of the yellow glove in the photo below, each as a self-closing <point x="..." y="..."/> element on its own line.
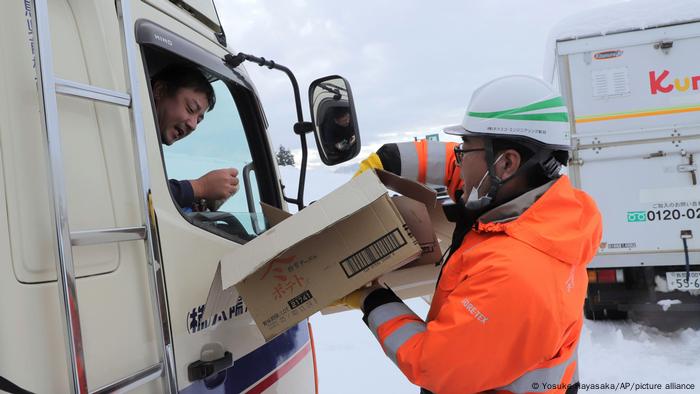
<point x="356" y="299"/>
<point x="372" y="161"/>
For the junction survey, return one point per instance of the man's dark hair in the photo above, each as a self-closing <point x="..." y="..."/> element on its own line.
<point x="176" y="76"/>
<point x="535" y="175"/>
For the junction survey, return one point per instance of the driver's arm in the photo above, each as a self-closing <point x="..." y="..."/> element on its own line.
<point x="182" y="192"/>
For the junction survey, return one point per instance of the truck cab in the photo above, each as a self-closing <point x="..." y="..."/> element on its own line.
<point x="103" y="276"/>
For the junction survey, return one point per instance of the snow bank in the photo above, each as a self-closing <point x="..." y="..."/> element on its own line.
<point x="629" y="352"/>
<point x="626" y="16"/>
<point x="609" y="352"/>
<point x="616" y="18"/>
<point x="665" y="304"/>
<point x="349" y="358"/>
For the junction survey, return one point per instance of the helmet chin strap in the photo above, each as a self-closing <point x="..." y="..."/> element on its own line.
<point x="542" y="158"/>
<point x="476" y="203"/>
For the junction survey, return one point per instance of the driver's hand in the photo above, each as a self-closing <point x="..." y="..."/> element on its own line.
<point x="216" y="185"/>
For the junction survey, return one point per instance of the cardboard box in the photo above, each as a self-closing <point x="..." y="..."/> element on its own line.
<point x="423" y="214"/>
<point x="419" y="277"/>
<point x="310" y="259"/>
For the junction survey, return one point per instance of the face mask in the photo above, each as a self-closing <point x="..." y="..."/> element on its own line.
<point x="474" y="202"/>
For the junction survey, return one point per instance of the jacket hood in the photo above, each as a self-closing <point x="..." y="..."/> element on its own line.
<point x="557" y="219"/>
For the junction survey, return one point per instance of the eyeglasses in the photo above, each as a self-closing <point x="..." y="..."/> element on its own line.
<point x="459" y="152"/>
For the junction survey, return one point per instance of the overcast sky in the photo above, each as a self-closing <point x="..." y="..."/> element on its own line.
<point x="412" y="64"/>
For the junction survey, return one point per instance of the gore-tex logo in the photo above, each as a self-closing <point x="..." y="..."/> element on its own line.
<point x="474" y="311"/>
<point x="658" y="83"/>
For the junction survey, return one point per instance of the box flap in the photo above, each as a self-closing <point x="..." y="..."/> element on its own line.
<point x="418" y="219"/>
<point x="218" y="298"/>
<point x="406" y="283"/>
<point x="273" y="215"/>
<point x="354" y="195"/>
<point x="408" y="187"/>
<point x="409" y="281"/>
<point x="443" y="228"/>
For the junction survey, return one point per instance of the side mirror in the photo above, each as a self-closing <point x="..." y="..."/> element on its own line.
<point x="334" y="119"/>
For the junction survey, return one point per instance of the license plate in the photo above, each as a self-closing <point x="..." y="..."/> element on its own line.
<point x="679" y="281"/>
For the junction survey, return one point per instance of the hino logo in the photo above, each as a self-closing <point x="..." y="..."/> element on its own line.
<point x="163" y="40"/>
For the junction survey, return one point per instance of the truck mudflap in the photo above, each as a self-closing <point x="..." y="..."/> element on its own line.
<point x="259" y="370"/>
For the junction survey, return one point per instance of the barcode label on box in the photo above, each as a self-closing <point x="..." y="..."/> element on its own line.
<point x="373" y="253"/>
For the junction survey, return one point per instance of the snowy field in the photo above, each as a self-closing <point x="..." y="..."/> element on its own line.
<point x="609" y="352"/>
<point x="634" y="357"/>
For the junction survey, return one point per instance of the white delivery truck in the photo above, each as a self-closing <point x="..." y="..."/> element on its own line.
<point x="103" y="277"/>
<point x="630" y="74"/>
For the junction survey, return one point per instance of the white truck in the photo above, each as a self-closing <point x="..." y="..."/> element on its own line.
<point x="103" y="277"/>
<point x="631" y="76"/>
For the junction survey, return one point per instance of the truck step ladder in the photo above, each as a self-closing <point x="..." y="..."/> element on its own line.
<point x="49" y="87"/>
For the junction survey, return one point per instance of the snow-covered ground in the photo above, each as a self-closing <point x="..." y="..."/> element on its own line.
<point x="624" y="353"/>
<point x="351" y="361"/>
<point x="629" y="352"/>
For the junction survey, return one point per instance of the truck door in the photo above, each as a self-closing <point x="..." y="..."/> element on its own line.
<point x="193" y="238"/>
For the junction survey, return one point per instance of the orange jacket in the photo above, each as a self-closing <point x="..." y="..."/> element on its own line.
<point x="507" y="312"/>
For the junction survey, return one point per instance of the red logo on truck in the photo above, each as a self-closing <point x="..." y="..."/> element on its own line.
<point x="658" y="83"/>
<point x="605" y="55"/>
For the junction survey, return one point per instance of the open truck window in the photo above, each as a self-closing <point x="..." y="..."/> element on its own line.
<point x="219" y="142"/>
<point x="226" y="137"/>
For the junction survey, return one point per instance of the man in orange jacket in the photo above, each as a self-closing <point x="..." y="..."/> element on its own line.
<point x="506" y="314"/>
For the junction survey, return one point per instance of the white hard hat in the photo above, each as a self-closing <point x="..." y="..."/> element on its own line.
<point x="518" y="107"/>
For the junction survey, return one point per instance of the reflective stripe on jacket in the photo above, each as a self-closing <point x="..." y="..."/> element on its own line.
<point x="423" y="161"/>
<point x="507" y="312"/>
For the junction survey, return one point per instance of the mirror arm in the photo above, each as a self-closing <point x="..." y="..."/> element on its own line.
<point x="301" y="128"/>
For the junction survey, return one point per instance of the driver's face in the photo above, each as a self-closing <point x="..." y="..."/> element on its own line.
<point x="179" y="115"/>
<point x="343" y="120"/>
